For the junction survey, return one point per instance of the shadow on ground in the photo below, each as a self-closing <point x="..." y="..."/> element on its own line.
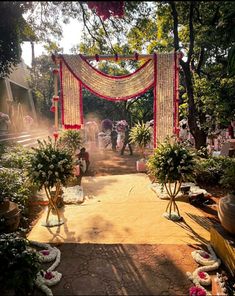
<point x="124" y="269"/>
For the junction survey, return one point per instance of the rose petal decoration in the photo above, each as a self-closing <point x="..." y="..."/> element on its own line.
<point x="45" y="252"/>
<point x="202" y="275"/>
<point x="48" y="275"/>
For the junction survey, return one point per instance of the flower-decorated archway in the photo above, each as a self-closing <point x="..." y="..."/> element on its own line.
<point x="160" y="71"/>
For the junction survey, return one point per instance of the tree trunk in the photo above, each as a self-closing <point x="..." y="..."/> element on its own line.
<point x="198" y="134"/>
<point x="200" y="139"/>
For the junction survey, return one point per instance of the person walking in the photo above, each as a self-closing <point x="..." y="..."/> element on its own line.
<point x="126" y="141"/>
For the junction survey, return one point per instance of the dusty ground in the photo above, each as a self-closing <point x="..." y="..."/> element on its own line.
<point x="107" y="162"/>
<point x="120" y="268"/>
<point x="112" y="163"/>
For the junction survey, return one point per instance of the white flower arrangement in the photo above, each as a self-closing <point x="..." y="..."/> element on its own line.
<point x="204" y="258"/>
<point x="48" y="255"/>
<point x="48" y="278"/>
<point x="209" y="261"/>
<point x="221" y="282"/>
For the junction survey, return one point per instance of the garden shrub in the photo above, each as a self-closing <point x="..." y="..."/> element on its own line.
<point x="141" y="135"/>
<point x="71" y="140"/>
<point x="15" y="156"/>
<point x="14" y="186"/>
<point x="228" y="178"/>
<point x="2" y="149"/>
<point x="19" y="264"/>
<point x="210" y="171"/>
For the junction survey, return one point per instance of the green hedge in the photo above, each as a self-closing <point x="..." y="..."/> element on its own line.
<point x="210" y="171"/>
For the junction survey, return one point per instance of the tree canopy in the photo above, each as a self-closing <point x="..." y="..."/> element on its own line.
<point x="198" y="30"/>
<point x="202" y="30"/>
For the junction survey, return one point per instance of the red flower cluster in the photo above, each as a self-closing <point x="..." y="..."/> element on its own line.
<point x="205" y="255"/>
<point x="106" y="9"/>
<point x="45" y="252"/>
<point x="202" y="275"/>
<point x="197" y="291"/>
<point x="48" y="275"/>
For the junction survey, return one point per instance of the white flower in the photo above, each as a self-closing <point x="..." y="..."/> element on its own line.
<point x="49" y="173"/>
<point x="53" y="156"/>
<point x="51" y="166"/>
<point x="209" y="261"/>
<point x="50" y="254"/>
<point x="43" y="174"/>
<point x="40" y="166"/>
<point x="57" y="174"/>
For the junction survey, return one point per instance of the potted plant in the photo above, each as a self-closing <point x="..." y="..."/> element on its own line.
<point x="14" y="195"/>
<point x="51" y="166"/>
<point x="141" y="135"/>
<point x="171" y="164"/>
<point x="19" y="265"/>
<point x="226" y="207"/>
<point x="71" y="140"/>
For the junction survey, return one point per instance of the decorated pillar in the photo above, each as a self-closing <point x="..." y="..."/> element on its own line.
<point x="55" y="103"/>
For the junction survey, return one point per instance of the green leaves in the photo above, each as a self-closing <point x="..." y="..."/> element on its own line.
<point x="50" y="165"/>
<point x="140" y="134"/>
<point x="71" y="140"/>
<point x="171" y="162"/>
<point x="19" y="264"/>
<point x="13" y="186"/>
<point x="231" y="61"/>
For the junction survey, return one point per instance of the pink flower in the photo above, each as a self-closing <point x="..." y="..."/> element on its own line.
<point x="48" y="275"/>
<point x="197" y="291"/>
<point x="202" y="275"/>
<point x="45" y="252"/>
<point x="205" y="255"/>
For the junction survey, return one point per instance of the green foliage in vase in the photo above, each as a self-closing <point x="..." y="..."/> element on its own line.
<point x="50" y="164"/>
<point x="19" y="264"/>
<point x="171" y="162"/>
<point x="140" y="134"/>
<point x="71" y="140"/>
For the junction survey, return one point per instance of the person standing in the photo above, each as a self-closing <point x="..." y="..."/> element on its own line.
<point x="126" y="141"/>
<point x="114" y="139"/>
<point x="84" y="162"/>
<point x="230" y="131"/>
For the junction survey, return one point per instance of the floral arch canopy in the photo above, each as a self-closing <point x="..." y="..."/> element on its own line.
<point x="159" y="72"/>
